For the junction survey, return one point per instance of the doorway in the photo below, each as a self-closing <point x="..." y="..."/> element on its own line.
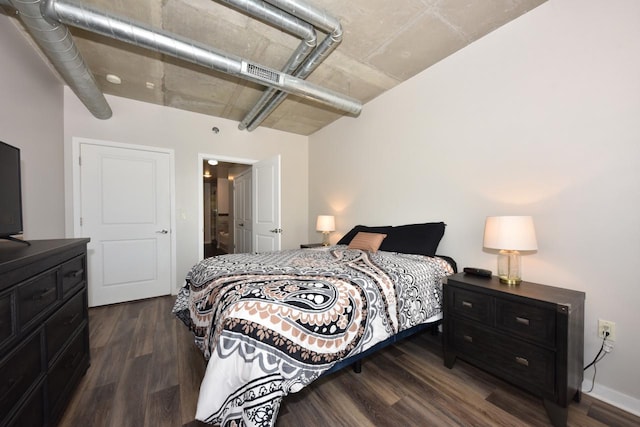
<point x="219" y="205"/>
<point x="265" y="203"/>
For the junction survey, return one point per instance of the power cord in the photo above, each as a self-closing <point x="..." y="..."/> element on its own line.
<point x="605" y="348"/>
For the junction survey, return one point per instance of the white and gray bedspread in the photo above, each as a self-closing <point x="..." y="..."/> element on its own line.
<point x="271" y="323"/>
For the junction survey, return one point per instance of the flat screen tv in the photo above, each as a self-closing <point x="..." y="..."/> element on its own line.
<point x="10" y="192"/>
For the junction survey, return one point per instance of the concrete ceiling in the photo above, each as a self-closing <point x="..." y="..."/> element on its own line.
<point x="385" y="42"/>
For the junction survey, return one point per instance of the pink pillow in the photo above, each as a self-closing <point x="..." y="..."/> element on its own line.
<point x="367" y="241"/>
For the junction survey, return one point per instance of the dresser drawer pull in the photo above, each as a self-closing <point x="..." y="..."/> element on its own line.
<point x="75" y="274"/>
<point x="10" y="386"/>
<point x="522" y="361"/>
<point x="72" y="319"/>
<point x="467" y="338"/>
<point x="467" y="304"/>
<point x="43" y="294"/>
<point x="522" y="321"/>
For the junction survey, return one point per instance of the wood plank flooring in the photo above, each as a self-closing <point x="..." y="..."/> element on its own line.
<point x="146" y="371"/>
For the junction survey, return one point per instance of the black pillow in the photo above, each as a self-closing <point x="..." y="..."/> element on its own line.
<point x="421" y="239"/>
<point x="346" y="239"/>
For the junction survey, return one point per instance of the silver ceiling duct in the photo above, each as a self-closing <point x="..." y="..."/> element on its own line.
<point x="73" y="13"/>
<point x="286" y="22"/>
<point x="270" y="100"/>
<point x="57" y="44"/>
<point x="273" y="101"/>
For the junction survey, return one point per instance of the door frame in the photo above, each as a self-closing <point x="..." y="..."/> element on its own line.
<point x="76" y="204"/>
<point x="201" y="158"/>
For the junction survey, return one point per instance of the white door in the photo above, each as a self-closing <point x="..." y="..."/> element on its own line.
<point x="266" y="205"/>
<point x="126" y="211"/>
<point x="242" y="212"/>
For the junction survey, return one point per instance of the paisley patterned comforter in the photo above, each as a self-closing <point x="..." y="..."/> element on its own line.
<point x="272" y="323"/>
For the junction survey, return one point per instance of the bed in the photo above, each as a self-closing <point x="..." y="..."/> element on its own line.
<point x="271" y="323"/>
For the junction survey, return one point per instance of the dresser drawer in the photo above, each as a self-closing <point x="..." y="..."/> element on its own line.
<point x="6" y="318"/>
<point x="18" y="372"/>
<point x="63" y="324"/>
<point x="470" y="304"/>
<point x="61" y="375"/>
<point x="36" y="296"/>
<point x="73" y="274"/>
<point x="32" y="413"/>
<point x="526" y="321"/>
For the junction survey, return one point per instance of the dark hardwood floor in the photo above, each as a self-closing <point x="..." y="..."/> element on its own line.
<point x="146" y="371"/>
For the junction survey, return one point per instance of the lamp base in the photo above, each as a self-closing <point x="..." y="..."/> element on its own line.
<point x="325" y="238"/>
<point x="511" y="281"/>
<point x="509" y="267"/>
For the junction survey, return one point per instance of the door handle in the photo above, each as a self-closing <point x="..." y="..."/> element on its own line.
<point x="163" y="231"/>
<point x="241" y="224"/>
<point x="276" y="230"/>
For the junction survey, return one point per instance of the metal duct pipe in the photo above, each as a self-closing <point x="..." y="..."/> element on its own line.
<point x="317" y="17"/>
<point x="281" y="19"/>
<point x="309" y="13"/>
<point x="286" y="22"/>
<point x="255" y="118"/>
<point x="57" y="44"/>
<point x="74" y="13"/>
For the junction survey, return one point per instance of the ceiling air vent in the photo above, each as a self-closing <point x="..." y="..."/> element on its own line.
<point x="261" y="73"/>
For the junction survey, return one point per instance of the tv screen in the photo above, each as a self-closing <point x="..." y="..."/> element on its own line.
<point x="10" y="194"/>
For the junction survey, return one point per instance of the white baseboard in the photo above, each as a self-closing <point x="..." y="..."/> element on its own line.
<point x="613" y="397"/>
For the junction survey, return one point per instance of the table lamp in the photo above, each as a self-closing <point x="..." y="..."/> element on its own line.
<point x="326" y="224"/>
<point x="510" y="234"/>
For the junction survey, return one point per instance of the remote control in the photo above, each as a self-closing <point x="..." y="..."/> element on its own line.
<point x="477" y="271"/>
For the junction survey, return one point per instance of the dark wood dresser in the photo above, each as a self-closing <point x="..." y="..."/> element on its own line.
<point x="44" y="332"/>
<point x="530" y="335"/>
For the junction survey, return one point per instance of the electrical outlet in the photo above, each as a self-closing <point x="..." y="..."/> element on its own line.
<point x="607" y="326"/>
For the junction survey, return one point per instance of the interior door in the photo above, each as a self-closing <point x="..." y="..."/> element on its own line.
<point x="126" y="211"/>
<point x="266" y="205"/>
<point x="242" y="212"/>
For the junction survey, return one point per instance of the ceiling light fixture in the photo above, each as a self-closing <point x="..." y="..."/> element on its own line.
<point x="112" y="78"/>
<point x="212" y="162"/>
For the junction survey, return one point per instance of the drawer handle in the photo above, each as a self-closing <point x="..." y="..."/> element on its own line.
<point x="467" y="304"/>
<point x="467" y="338"/>
<point x="75" y="274"/>
<point x="72" y="319"/>
<point x="43" y="294"/>
<point x="522" y="361"/>
<point x="10" y="386"/>
<point x="522" y="321"/>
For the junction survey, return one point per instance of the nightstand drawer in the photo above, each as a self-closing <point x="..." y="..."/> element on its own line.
<point x="514" y="359"/>
<point x="526" y="321"/>
<point x="470" y="304"/>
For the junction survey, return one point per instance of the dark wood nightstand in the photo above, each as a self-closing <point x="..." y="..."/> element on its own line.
<point x="530" y="335"/>
<point x="311" y="245"/>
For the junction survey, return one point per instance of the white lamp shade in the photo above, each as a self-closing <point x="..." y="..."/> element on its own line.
<point x="326" y="223"/>
<point x="515" y="233"/>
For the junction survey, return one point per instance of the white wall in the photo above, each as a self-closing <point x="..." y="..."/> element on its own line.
<point x="31" y="119"/>
<point x="189" y="134"/>
<point x="540" y="117"/>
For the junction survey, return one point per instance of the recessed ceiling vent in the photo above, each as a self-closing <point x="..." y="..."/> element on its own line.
<point x="261" y="73"/>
